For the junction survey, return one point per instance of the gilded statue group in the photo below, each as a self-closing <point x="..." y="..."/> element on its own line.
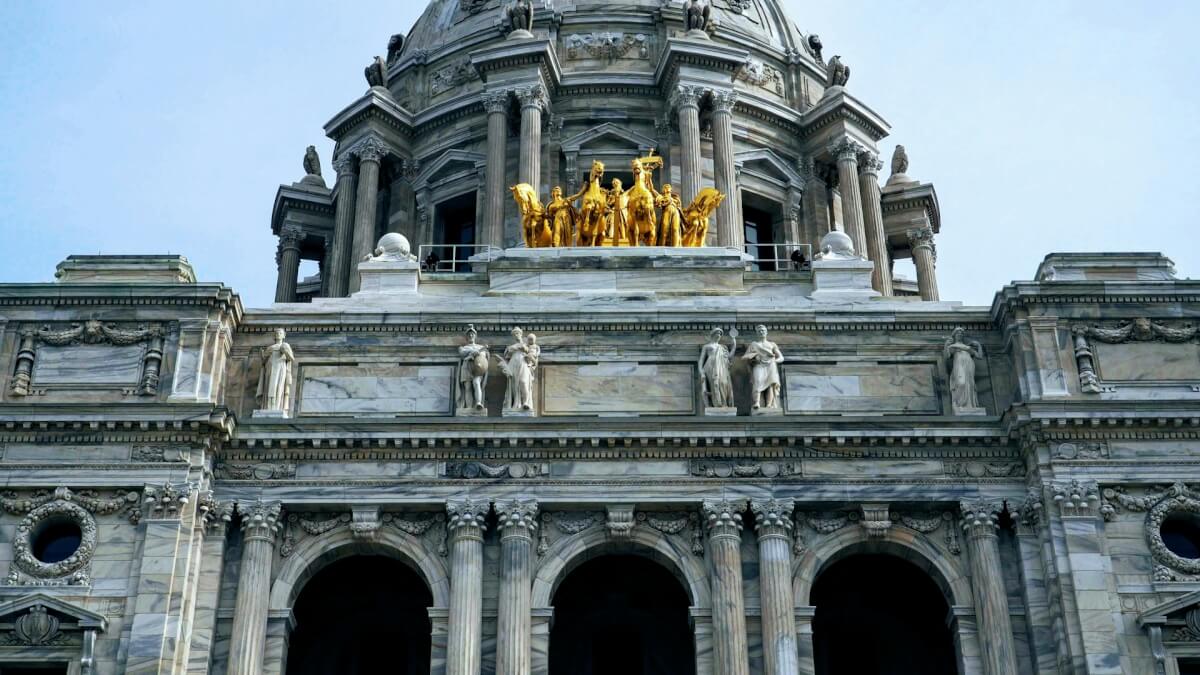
<point x="616" y="216"/>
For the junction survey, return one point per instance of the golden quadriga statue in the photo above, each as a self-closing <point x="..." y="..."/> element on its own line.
<point x="616" y="216"/>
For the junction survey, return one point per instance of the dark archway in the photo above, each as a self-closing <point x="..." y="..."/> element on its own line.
<point x="621" y="615"/>
<point x="362" y="615"/>
<point x="879" y="614"/>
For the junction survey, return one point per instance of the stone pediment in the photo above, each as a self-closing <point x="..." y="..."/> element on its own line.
<point x="41" y="620"/>
<point x="1171" y="612"/>
<point x="608" y="136"/>
<point x="448" y="164"/>
<point x="768" y="163"/>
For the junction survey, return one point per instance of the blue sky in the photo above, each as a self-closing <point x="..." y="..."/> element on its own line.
<point x="148" y="127"/>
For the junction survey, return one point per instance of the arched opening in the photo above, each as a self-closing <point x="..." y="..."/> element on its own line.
<point x="360" y="615"/>
<point x="879" y="614"/>
<point x="621" y="615"/>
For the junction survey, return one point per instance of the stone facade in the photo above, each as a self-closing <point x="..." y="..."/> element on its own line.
<point x="178" y="470"/>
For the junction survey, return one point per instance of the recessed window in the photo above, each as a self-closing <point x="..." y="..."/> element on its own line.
<point x="56" y="540"/>
<point x="1181" y="534"/>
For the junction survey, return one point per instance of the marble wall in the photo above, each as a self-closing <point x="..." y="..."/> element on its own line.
<point x="376" y="389"/>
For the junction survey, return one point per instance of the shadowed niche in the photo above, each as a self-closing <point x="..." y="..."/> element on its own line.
<point x="621" y="615"/>
<point x="880" y="615"/>
<point x="349" y="625"/>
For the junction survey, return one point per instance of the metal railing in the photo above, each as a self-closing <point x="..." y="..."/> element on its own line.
<point x="451" y="257"/>
<point x="779" y="257"/>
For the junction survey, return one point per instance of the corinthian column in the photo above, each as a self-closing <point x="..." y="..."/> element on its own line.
<point x="730" y="232"/>
<point x="773" y="523"/>
<point x="369" y="150"/>
<point x="518" y="521"/>
<point x="533" y="101"/>
<point x="289" y="263"/>
<point x="724" y="522"/>
<point x="260" y="525"/>
<point x="338" y="265"/>
<point x="979" y="521"/>
<point x="872" y="209"/>
<point x="847" y="152"/>
<point x="463" y="641"/>
<point x="496" y="105"/>
<point x="924" y="254"/>
<point x="687" y="102"/>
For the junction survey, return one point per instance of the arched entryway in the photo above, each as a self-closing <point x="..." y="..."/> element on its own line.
<point x="621" y="614"/>
<point x="878" y="614"/>
<point x="361" y="615"/>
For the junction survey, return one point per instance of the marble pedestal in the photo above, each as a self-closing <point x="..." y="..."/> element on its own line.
<point x="840" y="280"/>
<point x="270" y="414"/>
<point x="518" y="413"/>
<point x="720" y="412"/>
<point x="471" y="412"/>
<point x="766" y="412"/>
<point x="969" y="411"/>
<point x="390" y="277"/>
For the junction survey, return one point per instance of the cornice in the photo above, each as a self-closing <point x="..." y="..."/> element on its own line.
<point x="371" y="106"/>
<point x="147" y="418"/>
<point x="217" y="296"/>
<point x="1024" y="293"/>
<point x="261" y="321"/>
<point x="843" y="107"/>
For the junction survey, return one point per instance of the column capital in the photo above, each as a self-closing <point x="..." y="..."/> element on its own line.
<point x="466" y="517"/>
<point x="260" y="520"/>
<point x="723" y="100"/>
<point x="869" y="164"/>
<point x="773" y="517"/>
<point x="1077" y="498"/>
<point x="517" y="517"/>
<point x="344" y="165"/>
<point x="687" y="96"/>
<point x="166" y="501"/>
<point x="724" y="517"/>
<point x="980" y="517"/>
<point x="496" y="101"/>
<point x="846" y="149"/>
<point x="290" y="236"/>
<point x="532" y="96"/>
<point x="215" y="515"/>
<point x="370" y="149"/>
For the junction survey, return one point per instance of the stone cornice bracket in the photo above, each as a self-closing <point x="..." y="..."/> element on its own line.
<point x="980" y="517"/>
<point x="619" y="520"/>
<point x="687" y="96"/>
<point x="723" y="100"/>
<point x="369" y="149"/>
<point x="517" y="518"/>
<point x="876" y="520"/>
<point x="846" y="149"/>
<point x="364" y="522"/>
<point x="1076" y="498"/>
<point x="466" y="518"/>
<point x="723" y="517"/>
<point x="495" y="101"/>
<point x="260" y="520"/>
<point x="869" y="164"/>
<point x="773" y="517"/>
<point x="166" y="501"/>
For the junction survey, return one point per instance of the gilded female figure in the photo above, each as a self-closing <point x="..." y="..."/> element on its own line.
<point x="561" y="216"/>
<point x="618" y="215"/>
<point x="672" y="223"/>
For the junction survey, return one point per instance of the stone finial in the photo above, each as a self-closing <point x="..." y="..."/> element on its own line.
<point x="260" y="519"/>
<point x="837" y="245"/>
<point x="980" y="517"/>
<point x="517" y="517"/>
<point x="773" y="517"/>
<point x="392" y="247"/>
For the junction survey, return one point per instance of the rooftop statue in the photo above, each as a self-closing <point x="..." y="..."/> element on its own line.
<point x="395" y="46"/>
<point x="376" y="73"/>
<point x="698" y="16"/>
<point x="520" y="16"/>
<point x="814" y="43"/>
<point x="312" y="162"/>
<point x="899" y="161"/>
<point x="697" y="215"/>
<point x="839" y="74"/>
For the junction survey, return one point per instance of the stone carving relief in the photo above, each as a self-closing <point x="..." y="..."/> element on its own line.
<point x="762" y="75"/>
<point x="1137" y="330"/>
<point x="1082" y="450"/>
<point x="484" y="470"/>
<point x="621" y="521"/>
<point x="452" y="76"/>
<point x="961" y="354"/>
<point x="984" y="469"/>
<point x="426" y="526"/>
<point x="876" y="520"/>
<point x="91" y="332"/>
<point x="157" y="453"/>
<point x="1159" y="504"/>
<point x="607" y="45"/>
<point x="36" y="628"/>
<point x="254" y="471"/>
<point x="720" y="468"/>
<point x="60" y="505"/>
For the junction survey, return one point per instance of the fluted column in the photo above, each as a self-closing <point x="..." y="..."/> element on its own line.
<point x="724" y="523"/>
<point x="872" y="210"/>
<point x="847" y="152"/>
<point x="517" y="523"/>
<point x="533" y="102"/>
<point x="687" y="102"/>
<point x="980" y="522"/>
<point x="496" y="105"/>
<point x="288" y="262"/>
<point x="924" y="254"/>
<point x="730" y="232"/>
<point x="773" y="524"/>
<point x="369" y="150"/>
<point x="260" y="526"/>
<point x="464" y="640"/>
<point x="338" y="264"/>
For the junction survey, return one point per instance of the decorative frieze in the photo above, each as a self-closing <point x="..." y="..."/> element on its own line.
<point x="983" y="469"/>
<point x="452" y="76"/>
<point x="1081" y="450"/>
<point x="87" y="355"/>
<point x="717" y="468"/>
<point x="261" y="471"/>
<point x="608" y="45"/>
<point x="1138" y="330"/>
<point x="474" y="470"/>
<point x="762" y="75"/>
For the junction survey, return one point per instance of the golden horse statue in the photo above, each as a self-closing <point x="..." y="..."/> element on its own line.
<point x="592" y="223"/>
<point x="643" y="219"/>
<point x="534" y="227"/>
<point x="696" y="216"/>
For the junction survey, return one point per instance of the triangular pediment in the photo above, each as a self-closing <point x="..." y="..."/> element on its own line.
<point x="608" y="136"/>
<point x="71" y="615"/>
<point x="447" y="164"/>
<point x="769" y="164"/>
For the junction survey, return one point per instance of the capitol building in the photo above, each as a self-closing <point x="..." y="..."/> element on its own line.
<point x="606" y="369"/>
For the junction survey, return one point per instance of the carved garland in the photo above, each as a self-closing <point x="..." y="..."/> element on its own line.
<point x="828" y="522"/>
<point x="607" y="45"/>
<point x="1178" y="499"/>
<point x="571" y="523"/>
<point x="91" y="332"/>
<point x="1138" y="330"/>
<point x="298" y="526"/>
<point x="73" y="570"/>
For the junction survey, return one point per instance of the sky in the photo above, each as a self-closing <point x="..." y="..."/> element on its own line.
<point x="166" y="127"/>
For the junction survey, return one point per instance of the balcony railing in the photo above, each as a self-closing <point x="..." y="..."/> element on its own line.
<point x="451" y="257"/>
<point x="779" y="257"/>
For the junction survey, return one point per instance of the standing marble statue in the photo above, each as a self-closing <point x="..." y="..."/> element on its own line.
<point x="764" y="357"/>
<point x="960" y="356"/>
<point x="473" y="361"/>
<point x="275" y="381"/>
<point x="519" y="365"/>
<point x="312" y="162"/>
<point x="837" y="72"/>
<point x="716" y="385"/>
